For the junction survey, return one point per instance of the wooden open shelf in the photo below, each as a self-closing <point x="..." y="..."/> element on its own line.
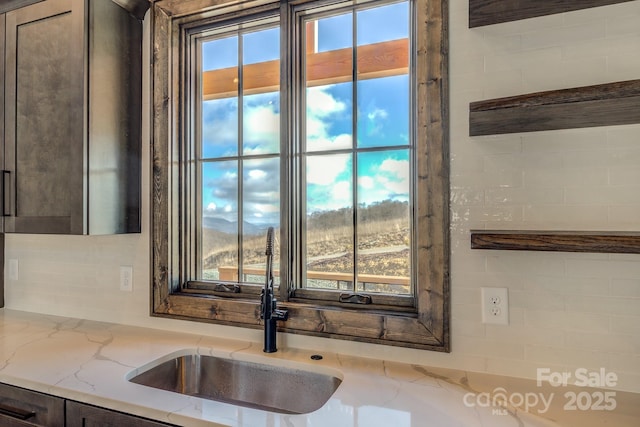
<point x="557" y="241"/>
<point x="608" y="104"/>
<point x="487" y="12"/>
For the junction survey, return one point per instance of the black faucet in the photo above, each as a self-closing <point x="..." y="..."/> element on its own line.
<point x="268" y="307"/>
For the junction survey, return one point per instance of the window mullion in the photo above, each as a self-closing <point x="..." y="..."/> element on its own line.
<point x="239" y="198"/>
<point x="354" y="145"/>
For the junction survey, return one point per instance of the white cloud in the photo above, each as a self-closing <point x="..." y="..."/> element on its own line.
<point x="366" y="182"/>
<point x="211" y="207"/>
<point x="390" y="180"/>
<point x="399" y="169"/>
<point x="341" y="193"/>
<point x="321" y="103"/>
<point x="257" y="174"/>
<point x="394" y="176"/>
<point x="324" y="170"/>
<point x="378" y="113"/>
<point x="262" y="127"/>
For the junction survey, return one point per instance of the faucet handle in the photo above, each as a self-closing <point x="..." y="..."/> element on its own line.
<point x="280" y="314"/>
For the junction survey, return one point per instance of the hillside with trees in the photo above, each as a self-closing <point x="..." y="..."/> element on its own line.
<point x="383" y="233"/>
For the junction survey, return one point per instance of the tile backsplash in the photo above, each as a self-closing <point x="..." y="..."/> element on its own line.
<point x="567" y="311"/>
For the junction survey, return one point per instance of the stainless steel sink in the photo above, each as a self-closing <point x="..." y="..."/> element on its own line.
<point x="254" y="385"/>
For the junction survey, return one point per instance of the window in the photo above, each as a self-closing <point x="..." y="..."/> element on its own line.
<point x="326" y="121"/>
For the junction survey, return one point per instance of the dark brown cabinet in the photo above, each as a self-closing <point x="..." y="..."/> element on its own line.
<point x="72" y="118"/>
<point x="81" y="415"/>
<point x="22" y="407"/>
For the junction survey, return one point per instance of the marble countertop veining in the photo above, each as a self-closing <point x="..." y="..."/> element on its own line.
<point x="90" y="362"/>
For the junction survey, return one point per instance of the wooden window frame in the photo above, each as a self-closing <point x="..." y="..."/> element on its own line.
<point x="426" y="327"/>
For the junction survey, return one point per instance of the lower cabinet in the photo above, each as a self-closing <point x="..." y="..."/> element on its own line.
<point x="81" y="415"/>
<point x="21" y="407"/>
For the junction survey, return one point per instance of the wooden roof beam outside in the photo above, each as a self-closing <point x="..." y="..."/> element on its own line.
<point x="375" y="60"/>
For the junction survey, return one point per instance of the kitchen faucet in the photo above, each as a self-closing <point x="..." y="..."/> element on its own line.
<point x="268" y="307"/>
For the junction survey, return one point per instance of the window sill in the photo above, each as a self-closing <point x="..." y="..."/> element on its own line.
<point x="378" y="327"/>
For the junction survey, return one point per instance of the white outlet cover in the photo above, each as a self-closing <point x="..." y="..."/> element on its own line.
<point x="495" y="305"/>
<point x="13" y="269"/>
<point x="126" y="278"/>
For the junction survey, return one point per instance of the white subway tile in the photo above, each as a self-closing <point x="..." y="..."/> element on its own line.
<point x="550" y="37"/>
<point x="624" y="176"/>
<point x="609" y="195"/>
<point x="531" y="300"/>
<point x="466" y="312"/>
<point x="625" y="217"/>
<point x="559" y="178"/>
<point x="622" y="343"/>
<point x="467" y="197"/>
<point x="540" y="317"/>
<point x="522" y="196"/>
<point x="501" y="83"/>
<point x="624" y="24"/>
<point x="604" y="305"/>
<point x="571" y="217"/>
<point x="566" y="140"/>
<point x="490" y="348"/>
<point x="626" y="324"/>
<point x="622" y="66"/>
<point x="521" y="60"/>
<point x="571" y="357"/>
<point x="467" y="328"/>
<point x="601" y="47"/>
<point x="569" y="285"/>
<point x="621" y="137"/>
<point x="526" y="264"/>
<point x="626" y="288"/>
<point x="520" y="368"/>
<point x="611" y="268"/>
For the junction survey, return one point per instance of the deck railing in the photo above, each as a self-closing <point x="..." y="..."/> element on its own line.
<point x="330" y="280"/>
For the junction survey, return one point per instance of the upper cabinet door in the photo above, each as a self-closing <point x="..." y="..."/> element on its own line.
<point x="2" y="191"/>
<point x="72" y="118"/>
<point x="44" y="117"/>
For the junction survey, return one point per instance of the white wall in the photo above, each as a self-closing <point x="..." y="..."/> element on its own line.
<point x="567" y="310"/>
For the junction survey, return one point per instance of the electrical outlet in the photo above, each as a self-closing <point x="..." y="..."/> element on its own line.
<point x="495" y="305"/>
<point x="13" y="269"/>
<point x="126" y="278"/>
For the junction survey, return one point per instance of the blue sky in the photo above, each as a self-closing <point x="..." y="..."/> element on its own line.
<point x="382" y="110"/>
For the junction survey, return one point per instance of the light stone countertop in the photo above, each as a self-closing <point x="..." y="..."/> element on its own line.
<point x="90" y="362"/>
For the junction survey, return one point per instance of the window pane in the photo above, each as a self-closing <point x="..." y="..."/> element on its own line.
<point x="219" y="247"/>
<point x="334" y="32"/>
<point x="329" y="117"/>
<point x="329" y="231"/>
<point x="260" y="89"/>
<point x="261" y="210"/>
<point x="220" y="53"/>
<point x="378" y="24"/>
<point x="383" y="111"/>
<point x="261" y="46"/>
<point x="220" y="128"/>
<point x="219" y="60"/>
<point x="384" y="237"/>
<point x="261" y="123"/>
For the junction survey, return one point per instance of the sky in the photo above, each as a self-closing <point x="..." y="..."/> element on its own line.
<point x="382" y="110"/>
